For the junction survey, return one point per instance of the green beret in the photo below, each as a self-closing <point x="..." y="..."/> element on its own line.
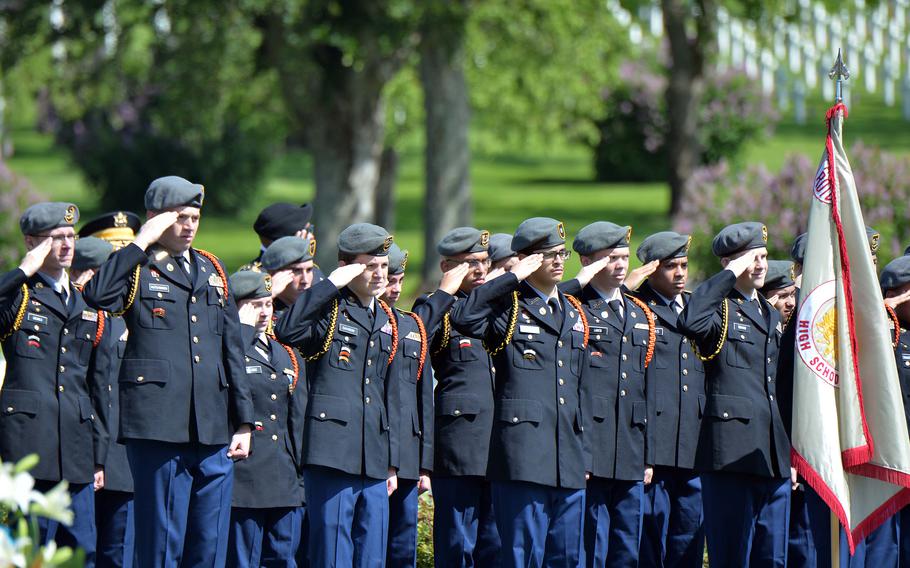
<point x="662" y="246"/>
<point x="779" y="275"/>
<point x="738" y="237"/>
<point x="287" y="250"/>
<point x="896" y="273"/>
<point x="364" y="238"/>
<point x="463" y="240"/>
<point x="601" y="235"/>
<point x="798" y="250"/>
<point x="500" y="247"/>
<point x="538" y="233"/>
<point x="250" y="285"/>
<point x="48" y="216"/>
<point x="91" y="252"/>
<point x="173" y="191"/>
<point x="282" y="220"/>
<point x="398" y="260"/>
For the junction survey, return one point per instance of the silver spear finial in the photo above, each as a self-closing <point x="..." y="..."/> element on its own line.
<point x="839" y="73"/>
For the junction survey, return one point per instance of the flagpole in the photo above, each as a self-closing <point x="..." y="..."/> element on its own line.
<point x="839" y="73"/>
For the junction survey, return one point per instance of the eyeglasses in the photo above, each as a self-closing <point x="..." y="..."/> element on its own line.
<point x="59" y="238"/>
<point x="562" y="254"/>
<point x="473" y="263"/>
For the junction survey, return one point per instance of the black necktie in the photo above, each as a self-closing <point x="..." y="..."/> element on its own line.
<point x="182" y="263"/>
<point x="616" y="306"/>
<point x="554" y="306"/>
<point x="757" y="306"/>
<point x="64" y="297"/>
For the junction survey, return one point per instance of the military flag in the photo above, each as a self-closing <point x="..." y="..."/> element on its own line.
<point x="850" y="440"/>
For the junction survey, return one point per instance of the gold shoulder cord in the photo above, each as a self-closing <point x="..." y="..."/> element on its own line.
<point x="394" y="325"/>
<point x="446" y="334"/>
<point x="652" y="333"/>
<point x="20" y="314"/>
<point x="513" y="319"/>
<point x="134" y="289"/>
<point x="725" y="312"/>
<point x="329" y="335"/>
<point x="423" y="341"/>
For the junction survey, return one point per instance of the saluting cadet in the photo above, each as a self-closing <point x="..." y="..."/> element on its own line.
<point x="780" y="288"/>
<point x="114" y="519"/>
<point x="673" y="531"/>
<point x="266" y="515"/>
<point x="895" y="282"/>
<point x="501" y="253"/>
<point x="464" y="528"/>
<point x="349" y="338"/>
<point x="411" y="368"/>
<point x="183" y="387"/>
<point x="53" y="401"/>
<point x="743" y="450"/>
<point x="614" y="392"/>
<point x="289" y="261"/>
<point x="537" y="337"/>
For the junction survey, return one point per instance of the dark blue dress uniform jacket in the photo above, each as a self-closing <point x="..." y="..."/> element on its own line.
<point x="614" y="388"/>
<point x="742" y="430"/>
<point x="902" y="358"/>
<point x="53" y="400"/>
<point x="117" y="476"/>
<point x="538" y="423"/>
<point x="676" y="387"/>
<point x="463" y="397"/>
<point x="182" y="375"/>
<point x="269" y="477"/>
<point x="415" y="400"/>
<point x="352" y="415"/>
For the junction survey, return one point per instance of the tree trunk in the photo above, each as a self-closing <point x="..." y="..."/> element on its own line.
<point x="447" y="201"/>
<point x="684" y="89"/>
<point x="385" y="189"/>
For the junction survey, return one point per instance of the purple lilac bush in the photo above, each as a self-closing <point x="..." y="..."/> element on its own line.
<point x="717" y="196"/>
<point x="16" y="194"/>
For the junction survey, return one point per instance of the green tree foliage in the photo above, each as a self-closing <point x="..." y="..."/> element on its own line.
<point x="139" y="90"/>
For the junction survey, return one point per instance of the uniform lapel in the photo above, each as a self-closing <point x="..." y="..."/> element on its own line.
<point x="599" y="307"/>
<point x="356" y="312"/>
<point x="666" y="314"/>
<point x="530" y="300"/>
<point x="749" y="309"/>
<point x="164" y="265"/>
<point x="48" y="298"/>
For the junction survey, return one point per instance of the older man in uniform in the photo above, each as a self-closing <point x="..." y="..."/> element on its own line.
<point x="349" y="338"/>
<point x="614" y="392"/>
<point x="464" y="529"/>
<point x="182" y="384"/>
<point x="673" y="532"/>
<point x="53" y="401"/>
<point x="743" y="450"/>
<point x="537" y="337"/>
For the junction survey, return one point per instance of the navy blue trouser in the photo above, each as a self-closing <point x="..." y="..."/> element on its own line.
<point x="613" y="519"/>
<point x="114" y="520"/>
<point x="182" y="503"/>
<point x="746" y="519"/>
<point x="264" y="537"/>
<point x="464" y="523"/>
<point x="673" y="529"/>
<point x="349" y="518"/>
<point x="303" y="549"/>
<point x="810" y="529"/>
<point x="81" y="534"/>
<point x="539" y="525"/>
<point x="402" y="548"/>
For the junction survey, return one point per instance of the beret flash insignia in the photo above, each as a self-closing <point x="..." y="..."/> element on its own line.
<point x="404" y="261"/>
<point x="312" y="250"/>
<point x="764" y="233"/>
<point x="268" y="282"/>
<point x="70" y="214"/>
<point x="873" y="243"/>
<point x="688" y="243"/>
<point x="629" y="235"/>
<point x="561" y="229"/>
<point x="388" y="243"/>
<point x="484" y="238"/>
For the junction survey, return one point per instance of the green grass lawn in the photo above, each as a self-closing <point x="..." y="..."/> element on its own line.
<point x="506" y="189"/>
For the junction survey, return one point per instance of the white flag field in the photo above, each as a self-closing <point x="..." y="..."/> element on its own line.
<point x="849" y="434"/>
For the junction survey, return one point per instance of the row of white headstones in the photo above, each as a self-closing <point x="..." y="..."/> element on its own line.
<point x="793" y="60"/>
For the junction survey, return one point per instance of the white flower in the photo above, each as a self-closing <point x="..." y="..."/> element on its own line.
<point x="15" y="488"/>
<point x="54" y="505"/>
<point x="11" y="550"/>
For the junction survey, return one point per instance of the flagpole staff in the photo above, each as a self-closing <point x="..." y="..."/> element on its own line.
<point x="838" y="73"/>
